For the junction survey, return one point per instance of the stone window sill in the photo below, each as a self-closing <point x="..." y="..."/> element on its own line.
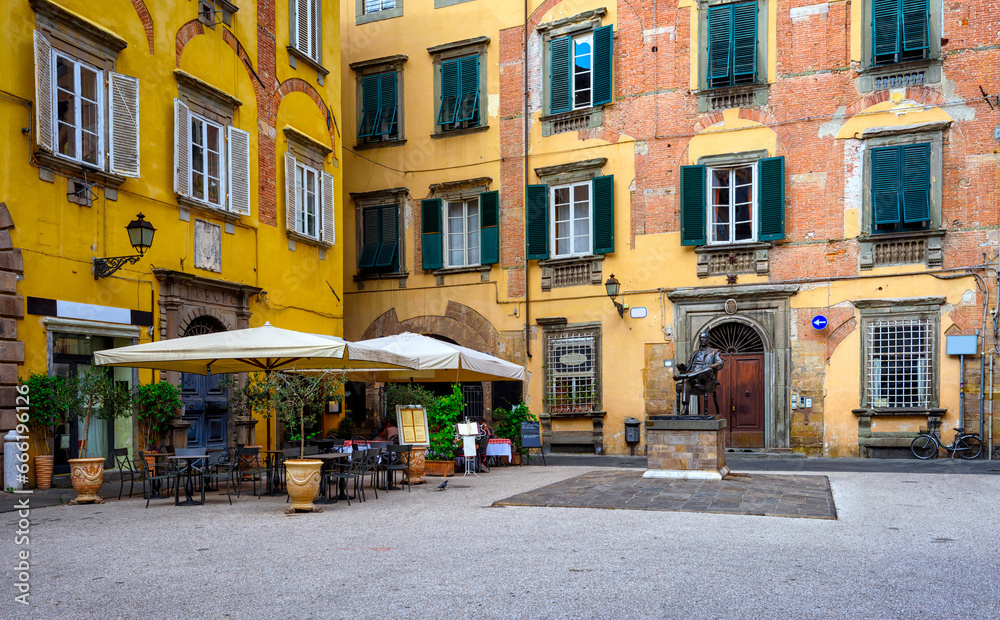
<point x="459" y="132"/>
<point x="76" y="169"/>
<point x="901" y="248"/>
<point x="301" y="238"/>
<point x="575" y="271"/>
<point x="734" y="259"/>
<point x="377" y="145"/>
<point x="574" y="120"/>
<point x="899" y="411"/>
<point x="391" y="275"/>
<point x="367" y="18"/>
<point x="746" y="96"/>
<point x="193" y="205"/>
<point x="295" y="55"/>
<point x="548" y="413"/>
<point x="899" y="75"/>
<point x="482" y="270"/>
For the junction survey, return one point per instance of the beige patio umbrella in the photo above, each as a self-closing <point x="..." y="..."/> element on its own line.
<point x="255" y="349"/>
<point x="439" y="361"/>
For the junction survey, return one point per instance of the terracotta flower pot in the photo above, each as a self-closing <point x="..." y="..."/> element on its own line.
<point x="439" y="468"/>
<point x="87" y="476"/>
<point x="302" y="477"/>
<point x="418" y="461"/>
<point x="43" y="471"/>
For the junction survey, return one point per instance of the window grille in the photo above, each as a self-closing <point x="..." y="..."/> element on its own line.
<point x="900" y="363"/>
<point x="571" y="377"/>
<point x="473" y="395"/>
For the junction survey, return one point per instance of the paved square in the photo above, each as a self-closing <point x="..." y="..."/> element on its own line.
<point x="744" y="494"/>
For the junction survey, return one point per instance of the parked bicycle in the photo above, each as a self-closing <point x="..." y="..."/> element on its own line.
<point x="927" y="444"/>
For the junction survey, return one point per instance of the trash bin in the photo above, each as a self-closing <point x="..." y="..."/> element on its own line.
<point x="632" y="431"/>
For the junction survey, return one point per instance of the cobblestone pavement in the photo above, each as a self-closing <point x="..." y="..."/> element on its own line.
<point x="744" y="494"/>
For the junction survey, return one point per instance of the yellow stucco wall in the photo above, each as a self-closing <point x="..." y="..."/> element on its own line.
<point x="58" y="239"/>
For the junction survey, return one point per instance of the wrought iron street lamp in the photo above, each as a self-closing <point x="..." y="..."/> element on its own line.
<point x="140" y="235"/>
<point x="614" y="287"/>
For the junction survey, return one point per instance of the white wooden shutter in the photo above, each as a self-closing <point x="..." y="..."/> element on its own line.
<point x="239" y="170"/>
<point x="182" y="139"/>
<point x="43" y="92"/>
<point x="123" y="95"/>
<point x="303" y="15"/>
<point x="329" y="223"/>
<point x="291" y="196"/>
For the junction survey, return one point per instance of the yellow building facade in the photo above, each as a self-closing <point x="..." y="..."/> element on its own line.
<point x="220" y="123"/>
<point x="823" y="208"/>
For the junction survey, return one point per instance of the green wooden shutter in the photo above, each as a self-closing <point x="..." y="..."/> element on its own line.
<point x="489" y="231"/>
<point x="386" y="104"/>
<point x="604" y="214"/>
<point x="603" y="63"/>
<point x="720" y="32"/>
<point x="369" y="237"/>
<point x="369" y="106"/>
<point x="916" y="185"/>
<point x="771" y="199"/>
<point x="692" y="205"/>
<point x="469" y="78"/>
<point x="430" y="228"/>
<point x="915" y="14"/>
<point x="388" y="237"/>
<point x="560" y="99"/>
<point x="537" y="220"/>
<point x="745" y="41"/>
<point x="885" y="27"/>
<point x="449" y="92"/>
<point x="885" y="184"/>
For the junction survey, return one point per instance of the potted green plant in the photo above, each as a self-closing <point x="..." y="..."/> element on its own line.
<point x="442" y="415"/>
<point x="507" y="424"/>
<point x="98" y="396"/>
<point x="50" y="399"/>
<point x="155" y="404"/>
<point x="295" y="398"/>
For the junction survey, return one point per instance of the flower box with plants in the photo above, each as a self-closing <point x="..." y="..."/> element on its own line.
<point x="442" y="415"/>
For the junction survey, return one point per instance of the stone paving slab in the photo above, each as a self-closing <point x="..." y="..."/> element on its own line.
<point x="767" y="495"/>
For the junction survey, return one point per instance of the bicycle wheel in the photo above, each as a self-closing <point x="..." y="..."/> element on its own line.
<point x="969" y="447"/>
<point x="924" y="447"/>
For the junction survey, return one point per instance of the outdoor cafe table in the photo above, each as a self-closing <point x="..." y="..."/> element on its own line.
<point x="322" y="479"/>
<point x="499" y="447"/>
<point x="189" y="484"/>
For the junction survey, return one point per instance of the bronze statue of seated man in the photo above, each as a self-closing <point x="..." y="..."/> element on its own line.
<point x="700" y="374"/>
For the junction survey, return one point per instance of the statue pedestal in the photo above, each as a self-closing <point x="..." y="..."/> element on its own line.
<point x="685" y="447"/>
<point x="244" y="430"/>
<point x="177" y="433"/>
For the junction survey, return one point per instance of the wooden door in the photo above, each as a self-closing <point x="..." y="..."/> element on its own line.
<point x="741" y="398"/>
<point x="205" y="407"/>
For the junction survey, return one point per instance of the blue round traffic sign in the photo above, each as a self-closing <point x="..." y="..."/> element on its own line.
<point x="819" y="322"/>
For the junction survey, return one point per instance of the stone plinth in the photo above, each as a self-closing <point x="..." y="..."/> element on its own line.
<point x="688" y="447"/>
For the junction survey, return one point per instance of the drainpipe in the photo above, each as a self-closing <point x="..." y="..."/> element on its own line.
<point x="527" y="284"/>
<point x="982" y="384"/>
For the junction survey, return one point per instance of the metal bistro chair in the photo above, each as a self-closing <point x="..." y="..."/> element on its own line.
<point x="150" y="475"/>
<point x="397" y="459"/>
<point x="215" y="464"/>
<point x="124" y="466"/>
<point x="481" y="456"/>
<point x="224" y="470"/>
<point x="247" y="460"/>
<point x="354" y="471"/>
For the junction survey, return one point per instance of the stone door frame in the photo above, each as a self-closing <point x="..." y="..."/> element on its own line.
<point x="765" y="308"/>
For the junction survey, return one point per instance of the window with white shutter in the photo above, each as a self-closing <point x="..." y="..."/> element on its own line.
<point x="305" y="27"/>
<point x="309" y="191"/>
<point x="123" y="108"/>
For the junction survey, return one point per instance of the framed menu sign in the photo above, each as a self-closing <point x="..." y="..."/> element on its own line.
<point x="411" y="420"/>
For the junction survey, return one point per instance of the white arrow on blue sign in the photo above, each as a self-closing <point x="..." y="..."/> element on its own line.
<point x="819" y="322"/>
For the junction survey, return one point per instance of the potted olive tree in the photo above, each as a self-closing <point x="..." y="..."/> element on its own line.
<point x="442" y="415"/>
<point x="296" y="398"/>
<point x="51" y="398"/>
<point x="155" y="404"/>
<point x="100" y="397"/>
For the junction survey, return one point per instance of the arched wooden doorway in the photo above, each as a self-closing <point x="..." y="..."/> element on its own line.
<point x="206" y="404"/>
<point x="741" y="389"/>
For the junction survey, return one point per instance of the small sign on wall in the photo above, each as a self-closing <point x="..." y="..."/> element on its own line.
<point x="637" y="313"/>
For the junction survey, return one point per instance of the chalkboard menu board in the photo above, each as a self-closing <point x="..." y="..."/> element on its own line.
<point x="531" y="435"/>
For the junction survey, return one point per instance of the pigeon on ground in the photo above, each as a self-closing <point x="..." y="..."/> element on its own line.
<point x="443" y="486"/>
